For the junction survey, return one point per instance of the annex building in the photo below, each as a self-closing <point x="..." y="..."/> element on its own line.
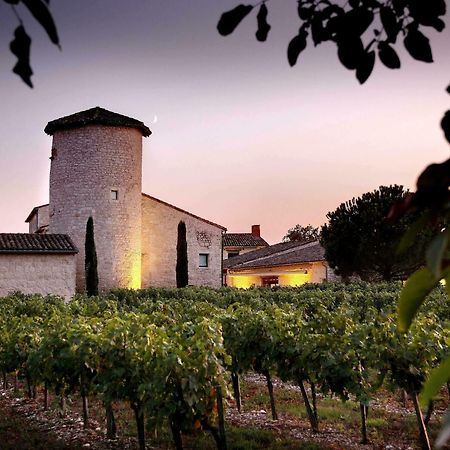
<point x="96" y="170"/>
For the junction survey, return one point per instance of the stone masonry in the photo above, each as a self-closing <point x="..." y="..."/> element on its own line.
<point x="159" y="245"/>
<point x="89" y="164"/>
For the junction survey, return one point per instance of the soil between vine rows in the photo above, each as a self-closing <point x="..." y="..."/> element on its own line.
<point x="24" y="425"/>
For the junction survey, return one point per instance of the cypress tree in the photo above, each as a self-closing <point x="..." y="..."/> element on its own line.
<point x="182" y="257"/>
<point x="90" y="260"/>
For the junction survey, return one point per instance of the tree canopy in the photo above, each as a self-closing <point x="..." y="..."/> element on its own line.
<point x="358" y="240"/>
<point x="300" y="233"/>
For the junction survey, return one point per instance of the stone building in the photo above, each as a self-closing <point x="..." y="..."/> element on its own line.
<point x="96" y="170"/>
<point x="235" y="244"/>
<point x="284" y="264"/>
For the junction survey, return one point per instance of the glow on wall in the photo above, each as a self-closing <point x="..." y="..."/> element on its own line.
<point x="243" y="281"/>
<point x="294" y="279"/>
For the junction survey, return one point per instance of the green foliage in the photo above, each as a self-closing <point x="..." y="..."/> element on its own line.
<point x="302" y="234"/>
<point x="166" y="351"/>
<point x="358" y="240"/>
<point x="90" y="260"/>
<point x="182" y="274"/>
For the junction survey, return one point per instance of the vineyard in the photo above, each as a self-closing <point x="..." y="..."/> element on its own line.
<point x="177" y="357"/>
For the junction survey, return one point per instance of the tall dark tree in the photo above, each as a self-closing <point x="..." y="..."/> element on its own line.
<point x="300" y="233"/>
<point x="182" y="257"/>
<point x="358" y="240"/>
<point x="90" y="260"/>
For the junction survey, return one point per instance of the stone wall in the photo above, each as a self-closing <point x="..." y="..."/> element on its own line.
<point x="39" y="219"/>
<point x="88" y="163"/>
<point x="159" y="242"/>
<point x="38" y="274"/>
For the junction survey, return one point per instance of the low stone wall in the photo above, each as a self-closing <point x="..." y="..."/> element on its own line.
<point x="38" y="274"/>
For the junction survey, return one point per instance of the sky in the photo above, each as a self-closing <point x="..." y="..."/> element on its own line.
<point x="239" y="137"/>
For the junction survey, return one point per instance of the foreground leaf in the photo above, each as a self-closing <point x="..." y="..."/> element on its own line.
<point x="41" y="13"/>
<point x="437" y="378"/>
<point x="231" y="19"/>
<point x="418" y="46"/>
<point x="435" y="253"/>
<point x="416" y="288"/>
<point x="20" y="47"/>
<point x="263" y="26"/>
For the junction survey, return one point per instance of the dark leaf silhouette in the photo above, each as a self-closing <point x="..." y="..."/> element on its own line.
<point x="318" y="32"/>
<point x="263" y="26"/>
<point x="426" y="13"/>
<point x="231" y="19"/>
<point x="358" y="20"/>
<point x="388" y="56"/>
<point x="305" y="12"/>
<point x="365" y="67"/>
<point x="20" y="47"/>
<point x="296" y="46"/>
<point x="350" y="52"/>
<point x="418" y="46"/>
<point x="448" y="89"/>
<point x="438" y="24"/>
<point x="389" y="22"/>
<point x="12" y="2"/>
<point x="445" y="125"/>
<point x="41" y="13"/>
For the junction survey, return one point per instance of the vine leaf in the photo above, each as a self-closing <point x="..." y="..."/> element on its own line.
<point x="418" y="46"/>
<point x="413" y="294"/>
<point x="388" y="56"/>
<point x="20" y="47"/>
<point x="231" y="19"/>
<point x="296" y="46"/>
<point x="263" y="26"/>
<point x="41" y="13"/>
<point x="365" y="67"/>
<point x="438" y="376"/>
<point x="389" y="22"/>
<point x="436" y="251"/>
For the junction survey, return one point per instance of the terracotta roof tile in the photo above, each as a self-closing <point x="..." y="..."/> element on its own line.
<point x="36" y="243"/>
<point x="243" y="240"/>
<point x="96" y="116"/>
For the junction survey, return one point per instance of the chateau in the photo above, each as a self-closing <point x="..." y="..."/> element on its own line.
<point x="96" y="170"/>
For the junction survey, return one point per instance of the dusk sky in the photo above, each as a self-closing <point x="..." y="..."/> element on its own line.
<point x="239" y="137"/>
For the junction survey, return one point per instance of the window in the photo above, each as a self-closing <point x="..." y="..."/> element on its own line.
<point x="231" y="254"/>
<point x="114" y="194"/>
<point x="203" y="260"/>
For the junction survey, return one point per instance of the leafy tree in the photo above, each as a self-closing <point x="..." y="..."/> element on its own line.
<point x="182" y="257"/>
<point x="359" y="241"/>
<point x="300" y="233"/>
<point x="90" y="260"/>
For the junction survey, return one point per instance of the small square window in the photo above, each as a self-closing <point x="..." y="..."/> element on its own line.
<point x="114" y="194"/>
<point x="203" y="260"/>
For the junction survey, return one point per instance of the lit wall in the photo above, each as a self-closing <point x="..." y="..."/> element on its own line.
<point x="243" y="281"/>
<point x="294" y="279"/>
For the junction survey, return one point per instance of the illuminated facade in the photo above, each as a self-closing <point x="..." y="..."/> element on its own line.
<point x="96" y="170"/>
<point x="284" y="264"/>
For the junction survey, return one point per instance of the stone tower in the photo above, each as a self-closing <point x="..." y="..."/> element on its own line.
<point x="96" y="170"/>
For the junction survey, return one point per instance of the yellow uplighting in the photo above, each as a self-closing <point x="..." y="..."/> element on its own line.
<point x="135" y="278"/>
<point x="243" y="282"/>
<point x="294" y="279"/>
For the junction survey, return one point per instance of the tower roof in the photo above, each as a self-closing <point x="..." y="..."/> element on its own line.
<point x="95" y="116"/>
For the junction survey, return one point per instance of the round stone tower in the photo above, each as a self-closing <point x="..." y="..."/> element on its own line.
<point x="96" y="170"/>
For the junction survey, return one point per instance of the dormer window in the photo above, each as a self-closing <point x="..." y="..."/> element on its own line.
<point x="114" y="194"/>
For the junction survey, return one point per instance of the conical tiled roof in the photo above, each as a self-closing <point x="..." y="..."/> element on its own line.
<point x="96" y="116"/>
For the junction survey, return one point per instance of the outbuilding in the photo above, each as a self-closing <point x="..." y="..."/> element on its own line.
<point x="37" y="264"/>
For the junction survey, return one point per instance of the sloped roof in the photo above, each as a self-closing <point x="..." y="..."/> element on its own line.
<point x="183" y="211"/>
<point x="282" y="254"/>
<point x="95" y="116"/>
<point x="36" y="243"/>
<point x="34" y="211"/>
<point x="243" y="240"/>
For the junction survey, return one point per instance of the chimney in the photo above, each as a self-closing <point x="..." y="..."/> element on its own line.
<point x="256" y="230"/>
